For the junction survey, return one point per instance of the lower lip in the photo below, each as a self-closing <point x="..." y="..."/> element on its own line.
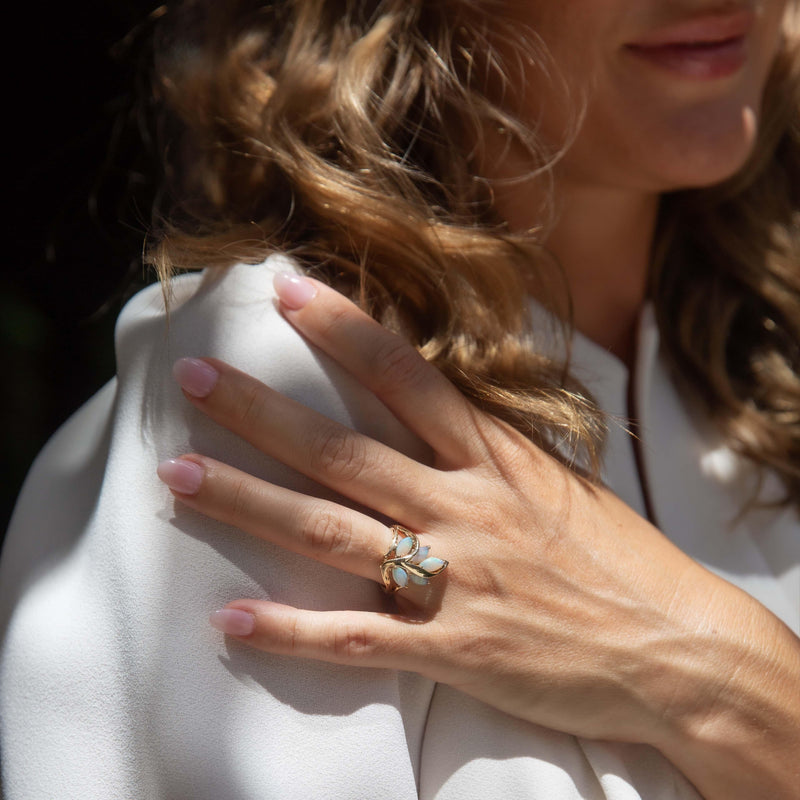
<point x="699" y="62"/>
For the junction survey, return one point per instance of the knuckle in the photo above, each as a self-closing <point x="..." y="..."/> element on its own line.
<point x="326" y="533"/>
<point x="250" y="406"/>
<point x="240" y="501"/>
<point x="292" y="635"/>
<point x="350" y="642"/>
<point x="334" y="319"/>
<point x="338" y="453"/>
<point x="397" y="362"/>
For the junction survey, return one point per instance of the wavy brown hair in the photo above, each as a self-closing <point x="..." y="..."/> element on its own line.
<point x="345" y="133"/>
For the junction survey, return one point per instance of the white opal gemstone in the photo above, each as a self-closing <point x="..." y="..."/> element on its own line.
<point x="432" y="564"/>
<point x="404" y="547"/>
<point x="421" y="555"/>
<point x="400" y="576"/>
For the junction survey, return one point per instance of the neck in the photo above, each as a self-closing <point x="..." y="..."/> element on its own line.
<point x="602" y="239"/>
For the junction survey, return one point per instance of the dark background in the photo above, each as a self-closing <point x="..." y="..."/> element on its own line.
<point x="79" y="184"/>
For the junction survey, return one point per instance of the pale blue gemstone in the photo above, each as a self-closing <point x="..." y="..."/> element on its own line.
<point x="400" y="577"/>
<point x="421" y="555"/>
<point x="432" y="564"/>
<point x="404" y="547"/>
<point x="420" y="579"/>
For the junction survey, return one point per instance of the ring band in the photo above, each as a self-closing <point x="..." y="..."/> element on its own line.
<point x="406" y="561"/>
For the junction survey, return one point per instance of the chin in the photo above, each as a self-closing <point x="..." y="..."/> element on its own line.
<point x="705" y="153"/>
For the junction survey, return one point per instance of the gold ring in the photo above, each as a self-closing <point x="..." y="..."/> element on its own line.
<point x="406" y="561"/>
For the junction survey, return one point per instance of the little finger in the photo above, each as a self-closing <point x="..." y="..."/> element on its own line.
<point x="355" y="638"/>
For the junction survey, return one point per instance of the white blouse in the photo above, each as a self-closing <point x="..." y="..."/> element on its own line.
<point x="112" y="683"/>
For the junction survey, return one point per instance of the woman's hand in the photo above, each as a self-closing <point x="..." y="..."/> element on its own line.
<point x="560" y="605"/>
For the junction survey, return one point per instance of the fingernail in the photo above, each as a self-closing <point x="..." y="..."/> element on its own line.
<point x="233" y="621"/>
<point x="293" y="290"/>
<point x="196" y="377"/>
<point x="181" y="475"/>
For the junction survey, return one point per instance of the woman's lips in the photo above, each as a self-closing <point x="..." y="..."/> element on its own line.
<point x="699" y="49"/>
<point x="697" y="61"/>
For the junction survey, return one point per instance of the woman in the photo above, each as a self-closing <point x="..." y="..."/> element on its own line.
<point x="422" y="158"/>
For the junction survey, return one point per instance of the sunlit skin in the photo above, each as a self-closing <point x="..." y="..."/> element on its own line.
<point x="657" y="119"/>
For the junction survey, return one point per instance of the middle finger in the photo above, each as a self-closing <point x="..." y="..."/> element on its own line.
<point x="348" y="462"/>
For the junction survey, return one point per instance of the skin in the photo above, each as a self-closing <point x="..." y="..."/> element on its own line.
<point x="645" y="132"/>
<point x="619" y="635"/>
<point x="630" y="640"/>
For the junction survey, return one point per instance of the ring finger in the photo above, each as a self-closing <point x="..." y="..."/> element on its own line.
<point x="320" y="529"/>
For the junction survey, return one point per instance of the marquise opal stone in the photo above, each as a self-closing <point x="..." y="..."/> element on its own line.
<point x="432" y="564"/>
<point x="404" y="547"/>
<point x="400" y="577"/>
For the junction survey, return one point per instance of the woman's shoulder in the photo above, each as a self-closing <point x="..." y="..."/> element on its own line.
<point x="229" y="313"/>
<point x="100" y="555"/>
<point x="233" y="314"/>
<point x="102" y="462"/>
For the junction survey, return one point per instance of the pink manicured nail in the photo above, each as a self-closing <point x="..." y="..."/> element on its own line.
<point x="196" y="377"/>
<point x="181" y="475"/>
<point x="233" y="621"/>
<point x="293" y="290"/>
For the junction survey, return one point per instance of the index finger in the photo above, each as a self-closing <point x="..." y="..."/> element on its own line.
<point x="390" y="367"/>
